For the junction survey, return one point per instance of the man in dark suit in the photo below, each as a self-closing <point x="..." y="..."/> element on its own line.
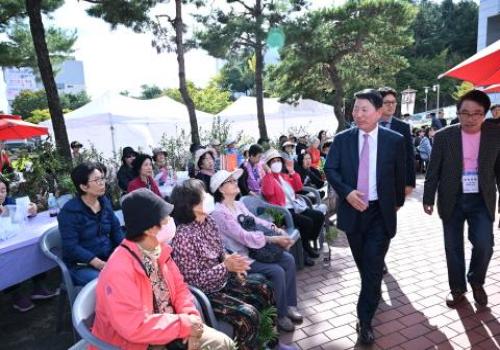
<point x="441" y="118"/>
<point x="388" y="120"/>
<point x="366" y="167"/>
<point x="464" y="169"/>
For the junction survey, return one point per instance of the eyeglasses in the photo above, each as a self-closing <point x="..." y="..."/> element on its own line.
<point x="390" y="103"/>
<point x="475" y="115"/>
<point x="99" y="180"/>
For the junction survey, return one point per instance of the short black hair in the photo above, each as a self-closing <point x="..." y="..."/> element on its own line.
<point x="185" y="197"/>
<point x="81" y="173"/>
<point x="102" y="168"/>
<point x="477" y="96"/>
<point x="493" y="106"/>
<point x="387" y="90"/>
<point x="372" y="96"/>
<point x="138" y="161"/>
<point x="218" y="196"/>
<point x="255" y="150"/>
<point x="282" y="139"/>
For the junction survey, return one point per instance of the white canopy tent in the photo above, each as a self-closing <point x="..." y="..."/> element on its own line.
<point x="113" y="121"/>
<point x="281" y="118"/>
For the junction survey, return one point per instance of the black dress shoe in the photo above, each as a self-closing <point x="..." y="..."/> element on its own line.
<point x="384" y="269"/>
<point x="311" y="252"/>
<point x="308" y="261"/>
<point x="365" y="332"/>
<point x="454" y="298"/>
<point x="480" y="295"/>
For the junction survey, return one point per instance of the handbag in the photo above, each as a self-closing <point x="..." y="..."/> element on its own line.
<point x="270" y="252"/>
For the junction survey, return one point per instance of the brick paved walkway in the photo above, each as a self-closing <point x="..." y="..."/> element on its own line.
<point x="413" y="313"/>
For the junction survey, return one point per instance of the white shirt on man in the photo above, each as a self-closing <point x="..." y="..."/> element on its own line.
<point x="372" y="179"/>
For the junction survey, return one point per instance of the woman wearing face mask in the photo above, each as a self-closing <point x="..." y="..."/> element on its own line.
<point x="200" y="255"/>
<point x="204" y="162"/>
<point x="143" y="169"/>
<point x="142" y="301"/>
<point x="280" y="188"/>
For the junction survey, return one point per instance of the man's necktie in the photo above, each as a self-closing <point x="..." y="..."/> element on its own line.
<point x="364" y="169"/>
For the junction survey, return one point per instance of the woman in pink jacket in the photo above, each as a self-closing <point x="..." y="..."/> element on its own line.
<point x="279" y="187"/>
<point x="142" y="300"/>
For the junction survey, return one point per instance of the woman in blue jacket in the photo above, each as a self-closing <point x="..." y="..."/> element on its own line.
<point x="90" y="231"/>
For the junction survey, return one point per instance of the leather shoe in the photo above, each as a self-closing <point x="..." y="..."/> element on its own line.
<point x="455" y="298"/>
<point x="384" y="269"/>
<point x="311" y="252"/>
<point x="308" y="261"/>
<point x="480" y="295"/>
<point x="294" y="314"/>
<point x="365" y="332"/>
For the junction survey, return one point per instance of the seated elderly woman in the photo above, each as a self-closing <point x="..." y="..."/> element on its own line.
<point x="90" y="231"/>
<point x="279" y="187"/>
<point x="204" y="162"/>
<point x="20" y="301"/>
<point x="199" y="253"/>
<point x="281" y="273"/>
<point x="309" y="175"/>
<point x="142" y="301"/>
<point x="143" y="170"/>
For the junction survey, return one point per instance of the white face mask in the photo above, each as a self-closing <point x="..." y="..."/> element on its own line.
<point x="167" y="232"/>
<point x="276" y="167"/>
<point x="208" y="203"/>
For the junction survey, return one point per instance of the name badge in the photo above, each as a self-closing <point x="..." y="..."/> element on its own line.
<point x="470" y="182"/>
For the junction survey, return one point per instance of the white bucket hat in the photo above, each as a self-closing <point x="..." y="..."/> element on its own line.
<point x="221" y="176"/>
<point x="200" y="153"/>
<point x="272" y="153"/>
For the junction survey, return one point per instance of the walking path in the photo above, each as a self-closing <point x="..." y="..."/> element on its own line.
<point x="412" y="313"/>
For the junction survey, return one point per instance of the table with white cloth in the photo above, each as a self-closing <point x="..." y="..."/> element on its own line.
<point x="20" y="256"/>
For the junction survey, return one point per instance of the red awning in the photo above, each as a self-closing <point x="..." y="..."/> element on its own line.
<point x="12" y="127"/>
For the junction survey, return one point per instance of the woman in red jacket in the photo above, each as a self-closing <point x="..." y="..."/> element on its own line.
<point x="142" y="167"/>
<point x="315" y="153"/>
<point x="279" y="187"/>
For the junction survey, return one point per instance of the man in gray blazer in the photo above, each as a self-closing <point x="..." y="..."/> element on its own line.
<point x="464" y="169"/>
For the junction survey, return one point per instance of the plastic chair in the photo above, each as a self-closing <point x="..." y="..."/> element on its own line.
<point x="257" y="205"/>
<point x="119" y="215"/>
<point x="83" y="316"/>
<point x="51" y="246"/>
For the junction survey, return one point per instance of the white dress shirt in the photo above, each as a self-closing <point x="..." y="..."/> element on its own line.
<point x="372" y="179"/>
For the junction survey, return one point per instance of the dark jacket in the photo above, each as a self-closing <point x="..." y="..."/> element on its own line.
<point x="86" y="235"/>
<point x="9" y="201"/>
<point x="404" y="129"/>
<point x="125" y="175"/>
<point x="310" y="177"/>
<point x="341" y="170"/>
<point x="444" y="173"/>
<point x="205" y="179"/>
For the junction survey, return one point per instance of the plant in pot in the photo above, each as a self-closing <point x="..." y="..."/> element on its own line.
<point x="276" y="216"/>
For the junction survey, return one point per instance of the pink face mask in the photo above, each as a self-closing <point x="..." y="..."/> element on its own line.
<point x="167" y="232"/>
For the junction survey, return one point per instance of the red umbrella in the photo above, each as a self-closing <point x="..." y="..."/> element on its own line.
<point x="481" y="69"/>
<point x="12" y="127"/>
<point x="492" y="88"/>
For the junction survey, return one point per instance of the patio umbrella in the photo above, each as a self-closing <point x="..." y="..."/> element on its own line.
<point x="481" y="69"/>
<point x="492" y="88"/>
<point x="12" y="127"/>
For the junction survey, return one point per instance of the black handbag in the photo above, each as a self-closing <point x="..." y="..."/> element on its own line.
<point x="271" y="252"/>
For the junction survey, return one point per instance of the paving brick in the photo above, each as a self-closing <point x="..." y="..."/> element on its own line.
<point x="311" y="342"/>
<point x="414" y="331"/>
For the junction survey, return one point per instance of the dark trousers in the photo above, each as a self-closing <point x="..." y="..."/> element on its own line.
<point x="369" y="242"/>
<point x="309" y="224"/>
<point x="470" y="208"/>
<point x="282" y="275"/>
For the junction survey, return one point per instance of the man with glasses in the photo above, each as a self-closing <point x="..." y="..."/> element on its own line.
<point x="388" y="120"/>
<point x="464" y="169"/>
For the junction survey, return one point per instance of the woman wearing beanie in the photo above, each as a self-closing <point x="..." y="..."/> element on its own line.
<point x="142" y="301"/>
<point x="279" y="188"/>
<point x="142" y="167"/>
<point x="199" y="253"/>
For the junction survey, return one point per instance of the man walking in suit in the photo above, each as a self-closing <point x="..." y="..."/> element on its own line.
<point x="366" y="167"/>
<point x="464" y="169"/>
<point x="388" y="120"/>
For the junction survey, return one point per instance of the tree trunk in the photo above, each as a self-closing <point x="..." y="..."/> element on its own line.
<point x="195" y="136"/>
<point x="33" y="7"/>
<point x="259" y="69"/>
<point x="338" y="97"/>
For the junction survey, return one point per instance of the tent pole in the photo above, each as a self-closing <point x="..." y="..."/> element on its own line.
<point x="112" y="128"/>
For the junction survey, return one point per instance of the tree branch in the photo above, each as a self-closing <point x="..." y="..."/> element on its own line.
<point x="242" y="3"/>
<point x="94" y="1"/>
